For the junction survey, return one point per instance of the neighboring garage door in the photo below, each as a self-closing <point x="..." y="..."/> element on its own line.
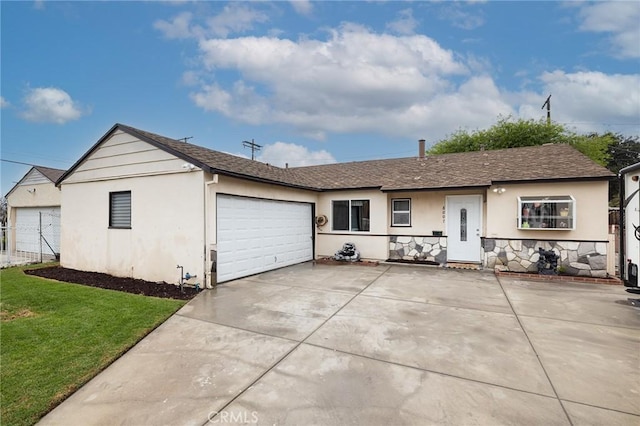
<point x="256" y="235"/>
<point x="31" y="222"/>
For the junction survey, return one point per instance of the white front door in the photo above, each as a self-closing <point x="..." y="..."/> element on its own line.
<point x="464" y="221"/>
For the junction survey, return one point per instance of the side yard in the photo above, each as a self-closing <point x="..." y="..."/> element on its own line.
<point x="56" y="336"/>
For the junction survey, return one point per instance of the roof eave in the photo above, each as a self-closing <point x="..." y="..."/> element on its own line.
<point x="262" y="180"/>
<point x="630" y="168"/>
<point x="436" y="188"/>
<point x="556" y="179"/>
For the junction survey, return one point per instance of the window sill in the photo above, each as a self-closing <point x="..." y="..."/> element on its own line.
<point x="401" y="226"/>
<point x="119" y="227"/>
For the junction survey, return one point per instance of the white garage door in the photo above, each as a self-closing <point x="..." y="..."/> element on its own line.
<point x="256" y="235"/>
<point x="29" y="221"/>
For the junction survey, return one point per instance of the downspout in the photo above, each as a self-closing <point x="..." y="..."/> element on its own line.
<point x="621" y="234"/>
<point x="207" y="251"/>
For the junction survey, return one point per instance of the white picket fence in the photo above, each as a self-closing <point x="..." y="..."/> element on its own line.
<point x="21" y="245"/>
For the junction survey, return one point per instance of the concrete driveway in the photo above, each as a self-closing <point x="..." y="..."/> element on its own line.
<point x="336" y="345"/>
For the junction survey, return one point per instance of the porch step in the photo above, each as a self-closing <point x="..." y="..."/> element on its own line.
<point x="459" y="265"/>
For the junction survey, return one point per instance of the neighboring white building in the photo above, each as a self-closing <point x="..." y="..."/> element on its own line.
<point x="630" y="224"/>
<point x="139" y="204"/>
<point x="33" y="212"/>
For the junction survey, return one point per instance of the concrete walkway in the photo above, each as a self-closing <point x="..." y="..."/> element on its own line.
<point x="336" y="345"/>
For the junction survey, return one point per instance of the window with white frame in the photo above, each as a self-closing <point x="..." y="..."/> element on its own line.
<point x="350" y="215"/>
<point x="401" y="212"/>
<point x="120" y="209"/>
<point x="552" y="212"/>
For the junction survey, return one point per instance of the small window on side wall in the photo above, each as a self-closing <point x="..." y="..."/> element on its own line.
<point x="120" y="209"/>
<point x="547" y="213"/>
<point x="401" y="212"/>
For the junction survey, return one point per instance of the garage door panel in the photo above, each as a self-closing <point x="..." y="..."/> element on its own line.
<point x="28" y="228"/>
<point x="256" y="235"/>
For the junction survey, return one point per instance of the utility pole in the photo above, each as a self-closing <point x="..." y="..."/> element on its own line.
<point x="548" y="104"/>
<point x="254" y="147"/>
<point x="185" y="138"/>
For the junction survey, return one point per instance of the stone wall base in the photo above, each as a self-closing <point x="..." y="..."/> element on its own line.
<point x="576" y="258"/>
<point x="430" y="249"/>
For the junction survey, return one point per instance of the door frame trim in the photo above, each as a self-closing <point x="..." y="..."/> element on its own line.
<point x="479" y="198"/>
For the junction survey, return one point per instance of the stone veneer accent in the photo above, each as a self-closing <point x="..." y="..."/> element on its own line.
<point x="580" y="258"/>
<point x="431" y="249"/>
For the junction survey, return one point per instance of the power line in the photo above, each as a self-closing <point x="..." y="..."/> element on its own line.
<point x="254" y="147"/>
<point x="18" y="162"/>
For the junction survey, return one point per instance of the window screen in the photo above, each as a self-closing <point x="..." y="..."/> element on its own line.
<point x="120" y="209"/>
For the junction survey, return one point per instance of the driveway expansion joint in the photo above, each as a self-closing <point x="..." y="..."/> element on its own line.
<point x="535" y="352"/>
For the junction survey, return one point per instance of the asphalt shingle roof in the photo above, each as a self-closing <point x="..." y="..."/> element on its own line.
<point x="52" y="174"/>
<point x="470" y="169"/>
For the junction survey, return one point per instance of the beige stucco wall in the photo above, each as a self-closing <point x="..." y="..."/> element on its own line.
<point x="372" y="244"/>
<point x="591" y="222"/>
<point x="428" y="211"/>
<point x="167" y="213"/>
<point x="45" y="195"/>
<point x="167" y="227"/>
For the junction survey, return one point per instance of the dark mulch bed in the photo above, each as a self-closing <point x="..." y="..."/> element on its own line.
<point x="128" y="285"/>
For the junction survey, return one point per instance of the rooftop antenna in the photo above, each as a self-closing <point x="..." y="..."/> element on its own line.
<point x="548" y="104"/>
<point x="185" y="138"/>
<point x="254" y="147"/>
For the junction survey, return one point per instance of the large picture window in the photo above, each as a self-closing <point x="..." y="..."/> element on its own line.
<point x="120" y="209"/>
<point x="350" y="215"/>
<point x="401" y="212"/>
<point x="553" y="212"/>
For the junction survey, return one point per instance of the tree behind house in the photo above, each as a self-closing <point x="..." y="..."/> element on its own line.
<point x="507" y="133"/>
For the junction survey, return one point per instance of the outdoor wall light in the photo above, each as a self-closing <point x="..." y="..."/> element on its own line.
<point x="499" y="190"/>
<point x="31" y="191"/>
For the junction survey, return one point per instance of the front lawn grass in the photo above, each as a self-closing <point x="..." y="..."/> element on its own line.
<point x="56" y="336"/>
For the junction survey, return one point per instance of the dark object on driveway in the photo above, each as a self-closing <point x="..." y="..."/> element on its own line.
<point x="547" y="262"/>
<point x="348" y="253"/>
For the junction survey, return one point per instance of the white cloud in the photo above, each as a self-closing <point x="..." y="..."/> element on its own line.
<point x="620" y="19"/>
<point x="460" y="17"/>
<point x="356" y="80"/>
<point x="235" y="18"/>
<point x="588" y="101"/>
<point x="404" y="24"/>
<point x="282" y="153"/>
<point x="4" y="103"/>
<point x="50" y="105"/>
<point x="179" y="27"/>
<point x="407" y="86"/>
<point x="303" y="7"/>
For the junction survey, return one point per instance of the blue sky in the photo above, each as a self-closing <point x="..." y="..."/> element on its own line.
<point x="312" y="82"/>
